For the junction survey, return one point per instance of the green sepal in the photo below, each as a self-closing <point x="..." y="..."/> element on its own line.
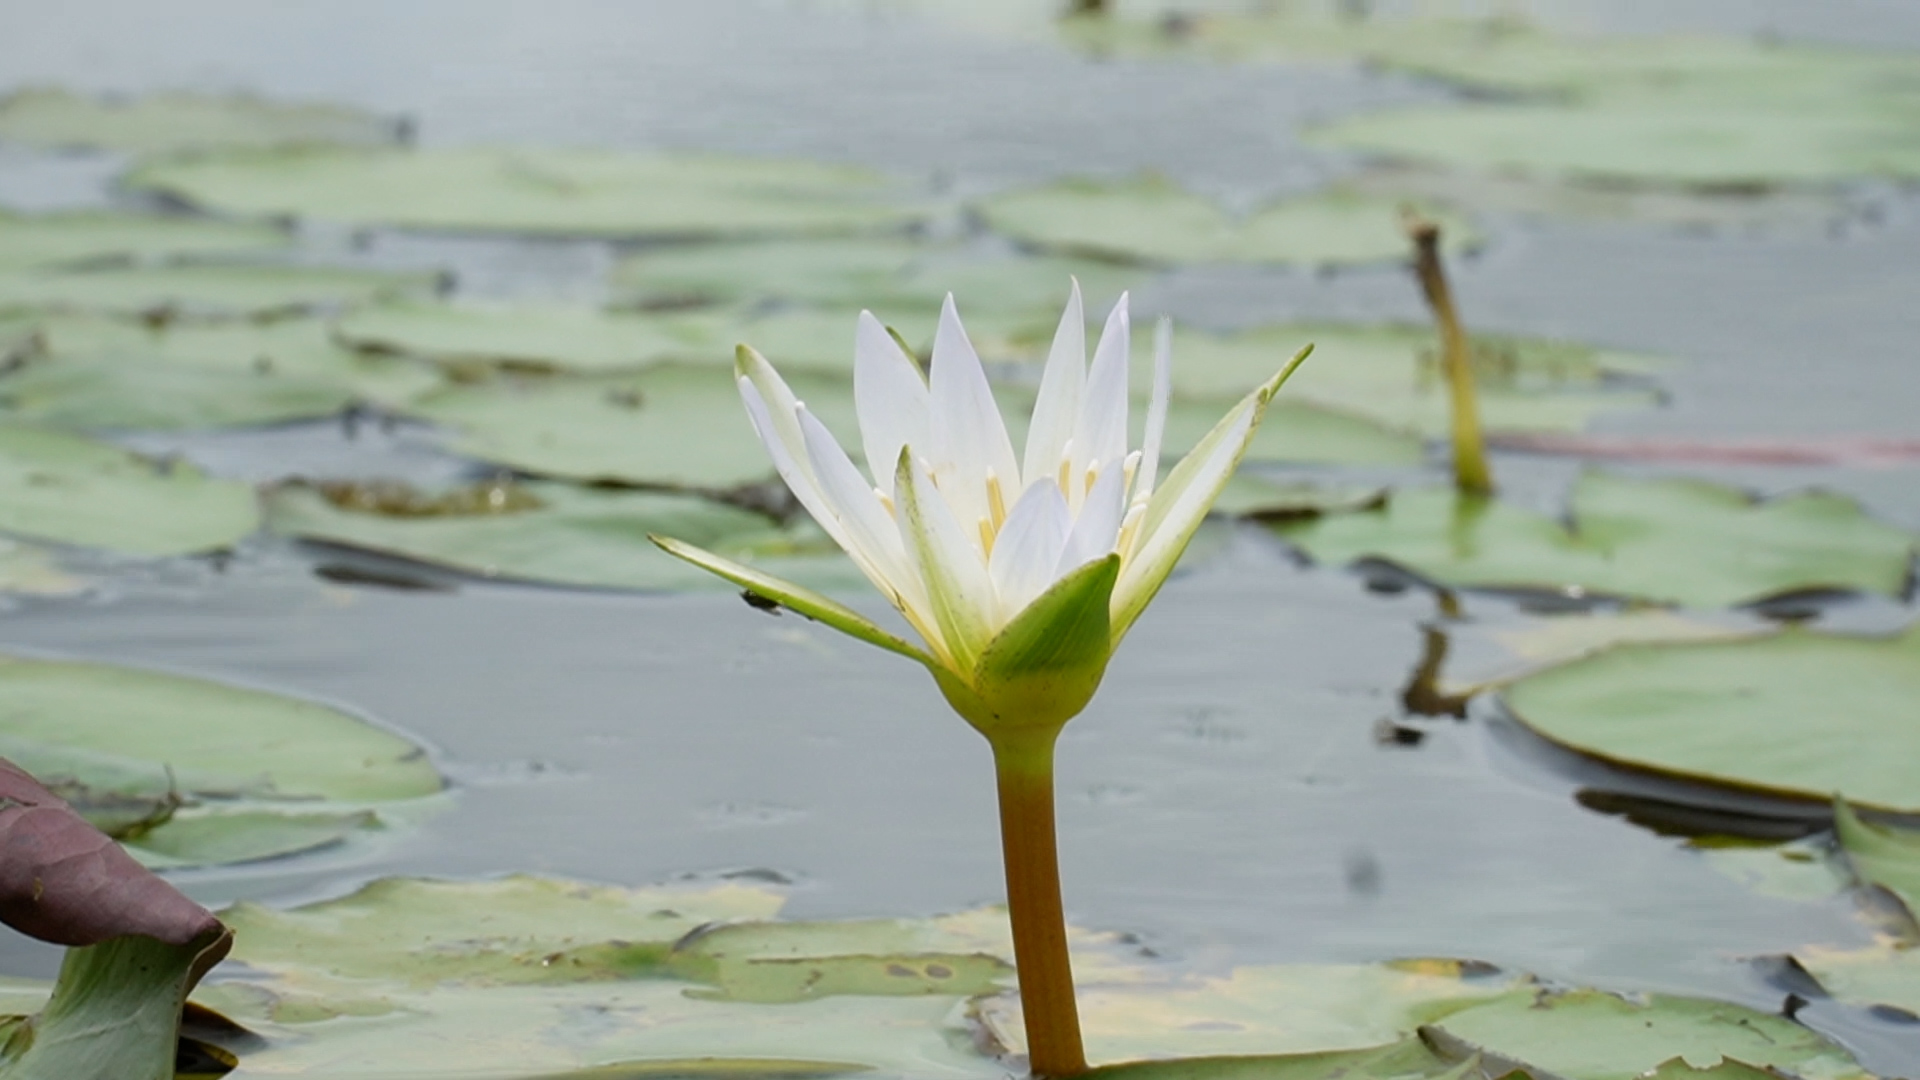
<point x="115" y="1011"/>
<point x="1042" y="668"/>
<point x="796" y="598"/>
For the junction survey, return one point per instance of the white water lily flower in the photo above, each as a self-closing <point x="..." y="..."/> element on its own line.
<point x="1020" y="573"/>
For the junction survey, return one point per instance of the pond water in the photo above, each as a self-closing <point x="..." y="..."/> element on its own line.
<point x="1226" y="797"/>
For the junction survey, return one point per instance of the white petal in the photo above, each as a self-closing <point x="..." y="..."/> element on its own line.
<point x="1101" y="436"/>
<point x="1028" y="547"/>
<point x="1098" y="525"/>
<point x="873" y="536"/>
<point x="1149" y="469"/>
<point x="1057" y="409"/>
<point x="793" y="468"/>
<point x="890" y="395"/>
<point x="958" y="589"/>
<point x="1177" y="508"/>
<point x="778" y="402"/>
<point x="966" y="436"/>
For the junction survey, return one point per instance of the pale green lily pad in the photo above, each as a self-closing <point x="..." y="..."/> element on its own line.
<point x="1883" y="976"/>
<point x="1253" y="496"/>
<point x="578" y="339"/>
<point x="1152" y="221"/>
<point x="164" y="122"/>
<point x="881" y="273"/>
<point x="670" y="426"/>
<point x="1545" y="642"/>
<point x="558" y="534"/>
<point x="1724" y="146"/>
<point x="1800" y="871"/>
<point x="549" y="192"/>
<point x="31" y="570"/>
<point x="1391" y="373"/>
<point x="1671" y="541"/>
<point x="206" y="290"/>
<point x="70" y="490"/>
<point x="1882" y="855"/>
<point x="1293" y="431"/>
<point x="1408" y="1059"/>
<point x="1591" y="1035"/>
<point x="262" y="776"/>
<point x="295" y="348"/>
<point x="127" y="394"/>
<point x="1799" y="714"/>
<point x="39" y="240"/>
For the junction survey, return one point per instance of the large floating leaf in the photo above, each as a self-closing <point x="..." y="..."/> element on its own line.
<point x="568" y="338"/>
<point x="1392" y="374"/>
<point x="669" y="426"/>
<point x="1798" y="714"/>
<point x="297" y="348"/>
<point x="1672" y="541"/>
<point x="72" y="490"/>
<point x="92" y="236"/>
<point x="557" y="534"/>
<point x="205" y="290"/>
<point x="1150" y="220"/>
<point x="125" y="394"/>
<point x="1881" y="978"/>
<point x="1590" y="1035"/>
<point x="1705" y="145"/>
<point x="181" y="121"/>
<point x="188" y="772"/>
<point x="1882" y="855"/>
<point x="553" y="192"/>
<point x="886" y="274"/>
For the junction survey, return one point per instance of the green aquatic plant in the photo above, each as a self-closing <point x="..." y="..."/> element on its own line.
<point x="1021" y="575"/>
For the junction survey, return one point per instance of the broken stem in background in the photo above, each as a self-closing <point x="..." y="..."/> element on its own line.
<point x="1471" y="474"/>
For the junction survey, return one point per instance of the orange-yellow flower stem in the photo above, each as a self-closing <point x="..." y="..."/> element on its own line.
<point x="1024" y="765"/>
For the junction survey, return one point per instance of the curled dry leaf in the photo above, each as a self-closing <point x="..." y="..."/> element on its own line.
<point x="64" y="881"/>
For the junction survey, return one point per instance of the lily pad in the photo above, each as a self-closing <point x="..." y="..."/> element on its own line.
<point x="578" y="339"/>
<point x="1152" y="221"/>
<point x="669" y="426"/>
<point x="31" y="570"/>
<point x="295" y="348"/>
<point x="1715" y="146"/>
<point x="557" y="534"/>
<point x="1253" y="496"/>
<point x="1882" y="978"/>
<point x="159" y="123"/>
<point x="881" y="273"/>
<point x="1673" y="541"/>
<point x="188" y="772"/>
<point x="206" y="290"/>
<point x="545" y="192"/>
<point x="1799" y="715"/>
<point x="29" y="241"/>
<point x="70" y="490"/>
<point x="1590" y="1035"/>
<point x="1391" y="373"/>
<point x="124" y="394"/>
<point x="1881" y="855"/>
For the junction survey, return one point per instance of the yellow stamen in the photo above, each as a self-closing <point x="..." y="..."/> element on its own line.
<point x="886" y="500"/>
<point x="996" y="501"/>
<point x="1093" y="473"/>
<point x="1129" y="526"/>
<point x="986" y="537"/>
<point x="1066" y="467"/>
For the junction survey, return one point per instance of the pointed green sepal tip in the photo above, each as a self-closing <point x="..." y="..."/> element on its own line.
<point x="1042" y="668"/>
<point x="745" y="357"/>
<point x="795" y="598"/>
<point x="1273" y="385"/>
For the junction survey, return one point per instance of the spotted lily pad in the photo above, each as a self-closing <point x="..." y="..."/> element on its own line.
<point x="548" y="192"/>
<point x="1391" y="373"/>
<point x="1150" y="220"/>
<point x="557" y="534"/>
<point x="71" y="490"/>
<point x="1591" y="1035"/>
<point x="190" y="772"/>
<point x="1672" y="541"/>
<point x="165" y="122"/>
<point x="40" y="240"/>
<point x="523" y="336"/>
<point x="1798" y="715"/>
<point x="205" y="289"/>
